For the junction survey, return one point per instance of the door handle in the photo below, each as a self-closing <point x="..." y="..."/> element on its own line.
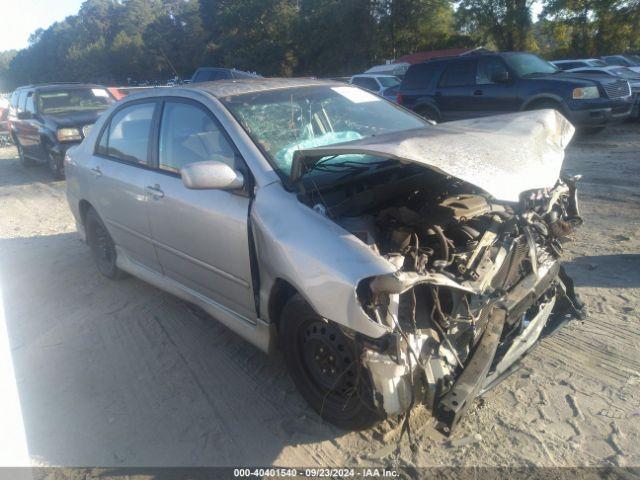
<point x="478" y="92"/>
<point x="155" y="191"/>
<point x="95" y="171"/>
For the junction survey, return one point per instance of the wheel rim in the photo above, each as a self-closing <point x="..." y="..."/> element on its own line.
<point x="328" y="359"/>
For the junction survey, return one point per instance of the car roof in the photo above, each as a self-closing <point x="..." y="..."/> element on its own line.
<point x="227" y="88"/>
<point x="55" y="86"/>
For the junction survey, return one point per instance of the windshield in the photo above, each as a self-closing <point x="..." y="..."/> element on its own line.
<point x="634" y="58"/>
<point x="388" y="81"/>
<point x="285" y="120"/>
<point x="528" y="64"/>
<point x="55" y="101"/>
<point x="626" y="73"/>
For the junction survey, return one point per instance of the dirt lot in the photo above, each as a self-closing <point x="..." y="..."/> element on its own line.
<point x="121" y="373"/>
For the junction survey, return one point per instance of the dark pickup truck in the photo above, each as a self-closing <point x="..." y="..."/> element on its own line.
<point x="46" y="120"/>
<point x="482" y="84"/>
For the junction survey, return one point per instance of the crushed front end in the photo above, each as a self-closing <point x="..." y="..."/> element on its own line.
<point x="478" y="283"/>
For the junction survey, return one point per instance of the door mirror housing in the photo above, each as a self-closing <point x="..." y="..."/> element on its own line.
<point x="500" y="77"/>
<point x="211" y="175"/>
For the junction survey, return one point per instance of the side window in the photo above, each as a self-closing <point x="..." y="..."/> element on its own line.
<point x="29" y="106"/>
<point x="488" y="68"/>
<point x="419" y="76"/>
<point x="22" y="99"/>
<point x="127" y="136"/>
<point x="14" y="100"/>
<point x="201" y="76"/>
<point x="366" y="82"/>
<point x="189" y="134"/>
<point x="459" y="74"/>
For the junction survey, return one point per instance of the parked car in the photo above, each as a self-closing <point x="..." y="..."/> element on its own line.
<point x="628" y="60"/>
<point x="491" y="83"/>
<point x="584" y="62"/>
<point x="621" y="72"/>
<point x="46" y="120"/>
<point x="375" y="83"/>
<point x="394" y="265"/>
<point x="210" y="74"/>
<point x="391" y="93"/>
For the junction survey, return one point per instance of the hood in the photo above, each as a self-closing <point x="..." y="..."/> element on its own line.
<point x="73" y="118"/>
<point x="577" y="78"/>
<point x="504" y="155"/>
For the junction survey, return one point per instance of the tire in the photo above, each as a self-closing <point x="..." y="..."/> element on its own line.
<point x="26" y="162"/>
<point x="326" y="368"/>
<point x="103" y="249"/>
<point x="428" y="113"/>
<point x="55" y="164"/>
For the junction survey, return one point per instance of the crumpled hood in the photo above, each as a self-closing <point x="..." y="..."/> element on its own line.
<point x="504" y="155"/>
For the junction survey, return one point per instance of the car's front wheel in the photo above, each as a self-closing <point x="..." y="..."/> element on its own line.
<point x="24" y="160"/>
<point x="326" y="368"/>
<point x="56" y="164"/>
<point x="102" y="247"/>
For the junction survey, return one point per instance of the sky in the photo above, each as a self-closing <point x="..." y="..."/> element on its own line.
<point x="23" y="17"/>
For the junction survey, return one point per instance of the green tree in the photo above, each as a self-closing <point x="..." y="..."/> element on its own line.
<point x="503" y="24"/>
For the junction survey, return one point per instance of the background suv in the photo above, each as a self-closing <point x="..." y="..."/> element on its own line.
<point x="488" y="84"/>
<point x="46" y="120"/>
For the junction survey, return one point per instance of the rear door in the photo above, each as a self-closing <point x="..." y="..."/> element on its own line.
<point x="455" y="90"/>
<point x="120" y="172"/>
<point x="201" y="236"/>
<point x="30" y="136"/>
<point x="491" y="97"/>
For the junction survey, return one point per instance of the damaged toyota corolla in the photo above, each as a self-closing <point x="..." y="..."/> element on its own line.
<point x="396" y="262"/>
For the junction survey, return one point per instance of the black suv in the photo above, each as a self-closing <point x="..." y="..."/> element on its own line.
<point x="45" y="120"/>
<point x="482" y="84"/>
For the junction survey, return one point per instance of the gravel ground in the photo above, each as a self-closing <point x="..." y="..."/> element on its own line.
<point x="122" y="374"/>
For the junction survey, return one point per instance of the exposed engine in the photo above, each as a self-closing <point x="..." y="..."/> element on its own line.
<point x="457" y="255"/>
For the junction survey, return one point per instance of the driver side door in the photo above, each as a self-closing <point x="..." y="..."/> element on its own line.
<point x="201" y="236"/>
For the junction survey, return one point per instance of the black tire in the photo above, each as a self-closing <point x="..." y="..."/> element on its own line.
<point x="102" y="247"/>
<point x="325" y="367"/>
<point x="55" y="164"/>
<point x="428" y="113"/>
<point x="26" y="162"/>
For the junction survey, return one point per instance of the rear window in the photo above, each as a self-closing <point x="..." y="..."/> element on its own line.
<point x="459" y="74"/>
<point x="418" y="76"/>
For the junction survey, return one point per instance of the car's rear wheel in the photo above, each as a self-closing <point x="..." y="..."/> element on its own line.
<point x="26" y="162"/>
<point x="102" y="247"/>
<point x="56" y="164"/>
<point x="326" y="368"/>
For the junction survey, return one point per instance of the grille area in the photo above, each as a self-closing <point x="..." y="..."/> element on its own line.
<point x="617" y="89"/>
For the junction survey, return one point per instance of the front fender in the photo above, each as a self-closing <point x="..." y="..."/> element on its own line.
<point x="317" y="257"/>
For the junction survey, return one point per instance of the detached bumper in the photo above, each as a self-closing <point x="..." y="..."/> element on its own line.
<point x="492" y="362"/>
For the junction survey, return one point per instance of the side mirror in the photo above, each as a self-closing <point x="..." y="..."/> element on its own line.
<point x="211" y="176"/>
<point x="500" y="77"/>
<point x="24" y="115"/>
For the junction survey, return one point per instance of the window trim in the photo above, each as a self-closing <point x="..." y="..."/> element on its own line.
<point x="106" y="126"/>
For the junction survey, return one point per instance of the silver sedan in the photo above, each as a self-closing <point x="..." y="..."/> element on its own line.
<point x="396" y="262"/>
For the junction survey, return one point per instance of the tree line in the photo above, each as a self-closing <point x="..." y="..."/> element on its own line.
<point x="111" y="41"/>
